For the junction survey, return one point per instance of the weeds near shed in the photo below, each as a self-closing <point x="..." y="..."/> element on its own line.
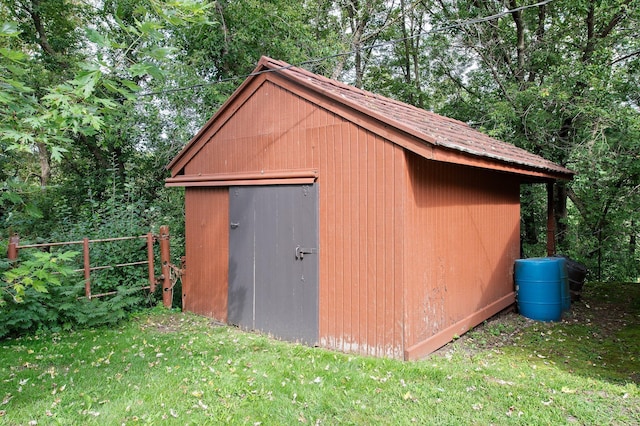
<point x="173" y="368"/>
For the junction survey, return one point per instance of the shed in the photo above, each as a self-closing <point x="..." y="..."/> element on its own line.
<point x="321" y="213"/>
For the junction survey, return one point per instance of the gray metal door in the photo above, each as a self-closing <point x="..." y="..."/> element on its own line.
<point x="273" y="260"/>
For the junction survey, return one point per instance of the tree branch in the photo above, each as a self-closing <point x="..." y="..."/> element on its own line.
<point x="630" y="55"/>
<point x="578" y="203"/>
<point x="517" y="19"/>
<point x="617" y="18"/>
<point x="43" y="41"/>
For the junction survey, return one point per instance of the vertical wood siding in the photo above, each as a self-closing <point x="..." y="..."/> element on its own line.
<point x="361" y="233"/>
<point x="361" y="213"/>
<point x="207" y="252"/>
<point x="462" y="239"/>
<point x="267" y="133"/>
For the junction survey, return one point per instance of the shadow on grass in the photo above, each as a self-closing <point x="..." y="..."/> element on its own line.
<point x="598" y="338"/>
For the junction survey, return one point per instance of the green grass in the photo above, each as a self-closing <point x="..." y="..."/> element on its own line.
<point x="173" y="368"/>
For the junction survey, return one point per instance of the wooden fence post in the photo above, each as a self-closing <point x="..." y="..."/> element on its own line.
<point x="165" y="258"/>
<point x="12" y="250"/>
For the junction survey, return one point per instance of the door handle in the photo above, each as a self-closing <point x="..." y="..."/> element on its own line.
<point x="301" y="251"/>
<point x="234" y="225"/>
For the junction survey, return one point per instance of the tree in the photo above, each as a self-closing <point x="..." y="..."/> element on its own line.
<point x="560" y="79"/>
<point x="71" y="76"/>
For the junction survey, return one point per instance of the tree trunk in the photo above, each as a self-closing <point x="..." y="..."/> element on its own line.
<point x="406" y="54"/>
<point x="632" y="240"/>
<point x="529" y="223"/>
<point x="45" y="164"/>
<point x="560" y="211"/>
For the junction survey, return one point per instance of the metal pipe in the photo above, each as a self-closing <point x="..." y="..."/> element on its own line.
<point x="152" y="278"/>
<point x="110" y="293"/>
<point x="12" y="250"/>
<point x="119" y="265"/>
<point x="87" y="268"/>
<point x="66" y="243"/>
<point x="165" y="258"/>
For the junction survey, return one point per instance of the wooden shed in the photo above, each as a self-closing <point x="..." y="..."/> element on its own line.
<point x="322" y="213"/>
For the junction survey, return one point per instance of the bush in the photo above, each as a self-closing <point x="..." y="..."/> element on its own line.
<point x="120" y="206"/>
<point x="42" y="291"/>
<point x="65" y="308"/>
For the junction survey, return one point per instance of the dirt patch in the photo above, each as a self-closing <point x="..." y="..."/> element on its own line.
<point x="163" y="324"/>
<point x="497" y="331"/>
<point x="605" y="308"/>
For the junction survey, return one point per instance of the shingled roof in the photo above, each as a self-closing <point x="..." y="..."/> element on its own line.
<point x="428" y="127"/>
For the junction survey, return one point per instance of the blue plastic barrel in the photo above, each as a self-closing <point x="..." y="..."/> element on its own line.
<point x="539" y="287"/>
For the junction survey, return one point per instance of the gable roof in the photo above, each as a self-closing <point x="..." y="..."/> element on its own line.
<point x="429" y="128"/>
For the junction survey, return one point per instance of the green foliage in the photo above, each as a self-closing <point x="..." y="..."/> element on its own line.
<point x="39" y="271"/>
<point x="123" y="213"/>
<point x="64" y="307"/>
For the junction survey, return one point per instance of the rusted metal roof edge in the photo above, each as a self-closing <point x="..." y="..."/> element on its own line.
<point x="527" y="169"/>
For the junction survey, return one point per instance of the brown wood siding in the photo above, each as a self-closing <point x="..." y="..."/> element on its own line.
<point x="275" y="141"/>
<point x="462" y="239"/>
<point x="207" y="252"/>
<point x="361" y="229"/>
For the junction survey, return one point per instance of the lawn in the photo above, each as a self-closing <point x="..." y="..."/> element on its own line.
<point x="166" y="367"/>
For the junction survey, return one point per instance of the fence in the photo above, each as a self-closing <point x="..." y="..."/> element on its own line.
<point x="166" y="272"/>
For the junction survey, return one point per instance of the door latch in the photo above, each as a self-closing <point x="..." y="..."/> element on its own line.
<point x="301" y="251"/>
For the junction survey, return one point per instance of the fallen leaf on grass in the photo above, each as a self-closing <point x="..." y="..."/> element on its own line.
<point x="500" y="381"/>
